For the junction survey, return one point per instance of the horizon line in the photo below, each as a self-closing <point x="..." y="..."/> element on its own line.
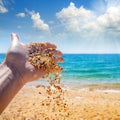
<point x="74" y="53"/>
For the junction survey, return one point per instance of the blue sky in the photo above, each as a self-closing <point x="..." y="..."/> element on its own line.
<point x="75" y="26"/>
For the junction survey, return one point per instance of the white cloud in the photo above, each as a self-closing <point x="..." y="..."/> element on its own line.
<point x="87" y="23"/>
<point x="20" y="15"/>
<point x="38" y="23"/>
<point x="111" y="19"/>
<point x="76" y="19"/>
<point x="2" y="8"/>
<point x="72" y="11"/>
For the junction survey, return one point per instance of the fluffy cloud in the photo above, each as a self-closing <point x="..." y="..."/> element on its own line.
<point x="2" y="8"/>
<point x="111" y="18"/>
<point x="75" y="18"/>
<point x="72" y="11"/>
<point x="20" y="15"/>
<point x="38" y="23"/>
<point x="89" y="23"/>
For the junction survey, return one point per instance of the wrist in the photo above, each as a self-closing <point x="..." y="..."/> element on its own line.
<point x="15" y="73"/>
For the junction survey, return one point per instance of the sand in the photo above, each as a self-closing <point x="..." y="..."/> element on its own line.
<point x="31" y="103"/>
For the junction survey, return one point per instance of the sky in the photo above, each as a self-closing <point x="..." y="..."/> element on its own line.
<point x="75" y="26"/>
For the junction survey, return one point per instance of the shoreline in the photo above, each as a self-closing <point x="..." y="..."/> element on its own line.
<point x="77" y="86"/>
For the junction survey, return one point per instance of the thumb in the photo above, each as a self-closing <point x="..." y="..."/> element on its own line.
<point x="14" y="39"/>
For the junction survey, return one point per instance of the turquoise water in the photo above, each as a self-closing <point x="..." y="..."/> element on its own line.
<point x="89" y="68"/>
<point x="2" y="57"/>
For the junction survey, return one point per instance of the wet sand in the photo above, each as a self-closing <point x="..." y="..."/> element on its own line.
<point x="31" y="103"/>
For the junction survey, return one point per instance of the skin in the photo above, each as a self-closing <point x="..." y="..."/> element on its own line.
<point x="16" y="70"/>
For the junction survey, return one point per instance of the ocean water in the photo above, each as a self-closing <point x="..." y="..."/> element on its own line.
<point x="91" y="68"/>
<point x="88" y="68"/>
<point x="2" y="57"/>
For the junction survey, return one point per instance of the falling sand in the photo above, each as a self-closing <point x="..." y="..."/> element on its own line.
<point x="45" y="59"/>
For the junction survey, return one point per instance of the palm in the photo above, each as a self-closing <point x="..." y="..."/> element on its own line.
<point x="17" y="58"/>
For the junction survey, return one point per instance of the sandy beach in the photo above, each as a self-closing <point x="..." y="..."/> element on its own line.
<point x="31" y="103"/>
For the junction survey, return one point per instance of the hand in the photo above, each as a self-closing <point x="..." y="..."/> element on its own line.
<point x="17" y="59"/>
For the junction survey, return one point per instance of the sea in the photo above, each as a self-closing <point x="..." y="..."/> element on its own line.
<point x="83" y="69"/>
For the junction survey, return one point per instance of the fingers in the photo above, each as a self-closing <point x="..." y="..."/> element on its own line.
<point x="40" y="47"/>
<point x="49" y="45"/>
<point x="59" y="59"/>
<point x="57" y="53"/>
<point x="54" y="52"/>
<point x="14" y="39"/>
<point x="45" y="49"/>
<point x="58" y="56"/>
